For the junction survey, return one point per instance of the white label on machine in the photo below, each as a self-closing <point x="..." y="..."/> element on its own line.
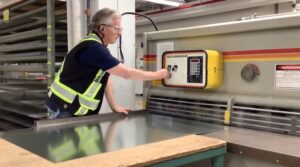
<point x="161" y="47"/>
<point x="188" y="69"/>
<point x="287" y="76"/>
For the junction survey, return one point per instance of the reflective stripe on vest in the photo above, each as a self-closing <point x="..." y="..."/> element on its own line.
<point x="90" y="93"/>
<point x="86" y="100"/>
<point x="63" y="91"/>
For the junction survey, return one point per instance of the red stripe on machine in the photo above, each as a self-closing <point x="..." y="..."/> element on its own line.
<point x="246" y="52"/>
<point x="149" y="56"/>
<point x="288" y="67"/>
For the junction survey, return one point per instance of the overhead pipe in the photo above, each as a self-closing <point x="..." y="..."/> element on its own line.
<point x="22" y="5"/>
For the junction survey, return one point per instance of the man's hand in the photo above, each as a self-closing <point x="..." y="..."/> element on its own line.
<point x="163" y="74"/>
<point x="120" y="109"/>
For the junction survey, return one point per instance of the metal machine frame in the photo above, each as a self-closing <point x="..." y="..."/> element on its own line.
<point x="248" y="97"/>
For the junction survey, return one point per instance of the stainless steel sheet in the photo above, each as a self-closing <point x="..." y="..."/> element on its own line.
<point x="66" y="143"/>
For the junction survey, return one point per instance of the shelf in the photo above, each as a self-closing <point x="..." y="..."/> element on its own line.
<point x="6" y="126"/>
<point x="23" y="68"/>
<point x="34" y="24"/>
<point x="23" y="18"/>
<point x="16" y="119"/>
<point x="23" y="109"/>
<point x="25" y="95"/>
<point x="28" y="57"/>
<point x="30" y="54"/>
<point x="10" y="3"/>
<point x="28" y="46"/>
<point x="18" y="87"/>
<point x="31" y="34"/>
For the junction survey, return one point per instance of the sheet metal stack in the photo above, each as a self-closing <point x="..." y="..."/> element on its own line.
<point x="33" y="42"/>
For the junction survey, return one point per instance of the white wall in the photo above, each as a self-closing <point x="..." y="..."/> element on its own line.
<point x="76" y="22"/>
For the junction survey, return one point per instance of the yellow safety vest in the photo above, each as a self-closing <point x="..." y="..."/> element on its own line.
<point x="87" y="99"/>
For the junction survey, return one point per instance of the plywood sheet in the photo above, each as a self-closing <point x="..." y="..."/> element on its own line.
<point x="11" y="155"/>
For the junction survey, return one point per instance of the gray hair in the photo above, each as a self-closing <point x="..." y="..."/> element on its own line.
<point x="103" y="16"/>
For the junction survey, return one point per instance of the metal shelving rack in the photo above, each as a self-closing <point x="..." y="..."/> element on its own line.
<point x="33" y="43"/>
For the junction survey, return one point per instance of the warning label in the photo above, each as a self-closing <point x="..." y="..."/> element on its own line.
<point x="287" y="76"/>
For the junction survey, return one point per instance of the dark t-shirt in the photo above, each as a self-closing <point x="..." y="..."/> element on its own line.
<point x="98" y="56"/>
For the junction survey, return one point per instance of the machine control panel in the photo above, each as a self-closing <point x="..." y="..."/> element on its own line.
<point x="191" y="68"/>
<point x="195" y="70"/>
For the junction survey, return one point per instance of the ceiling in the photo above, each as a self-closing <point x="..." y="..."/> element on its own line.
<point x="144" y="6"/>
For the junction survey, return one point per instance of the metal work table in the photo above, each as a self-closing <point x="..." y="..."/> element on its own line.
<point x="113" y="132"/>
<point x="266" y="146"/>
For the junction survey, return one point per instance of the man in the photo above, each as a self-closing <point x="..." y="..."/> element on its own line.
<point x="83" y="78"/>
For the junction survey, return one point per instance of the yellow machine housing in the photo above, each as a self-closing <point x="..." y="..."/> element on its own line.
<point x="214" y="69"/>
<point x="194" y="69"/>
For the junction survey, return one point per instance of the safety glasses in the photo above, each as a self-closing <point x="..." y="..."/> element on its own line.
<point x="116" y="28"/>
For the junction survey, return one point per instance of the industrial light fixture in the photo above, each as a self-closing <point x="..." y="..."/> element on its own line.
<point x="165" y="2"/>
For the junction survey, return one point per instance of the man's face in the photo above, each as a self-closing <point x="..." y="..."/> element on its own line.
<point x="112" y="31"/>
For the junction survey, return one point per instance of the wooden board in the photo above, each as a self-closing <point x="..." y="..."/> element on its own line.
<point x="12" y="155"/>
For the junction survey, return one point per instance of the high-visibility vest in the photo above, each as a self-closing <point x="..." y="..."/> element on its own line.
<point x="87" y="98"/>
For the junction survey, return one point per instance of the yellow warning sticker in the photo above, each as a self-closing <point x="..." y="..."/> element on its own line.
<point x="6" y="15"/>
<point x="227" y="117"/>
<point x="156" y="83"/>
